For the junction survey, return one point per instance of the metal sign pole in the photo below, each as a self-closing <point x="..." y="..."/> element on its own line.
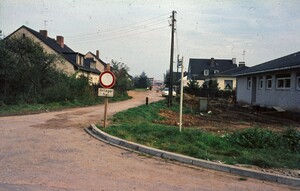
<point x="105" y="111"/>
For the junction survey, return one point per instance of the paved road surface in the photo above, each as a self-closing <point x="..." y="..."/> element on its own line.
<point x="51" y="151"/>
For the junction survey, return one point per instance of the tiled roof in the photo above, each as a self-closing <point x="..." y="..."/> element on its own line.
<point x="233" y="71"/>
<point x="284" y="63"/>
<point x="64" y="51"/>
<point x="98" y="59"/>
<point x="49" y="41"/>
<point x="197" y="66"/>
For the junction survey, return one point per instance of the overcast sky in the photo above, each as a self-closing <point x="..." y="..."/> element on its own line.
<point x="137" y="32"/>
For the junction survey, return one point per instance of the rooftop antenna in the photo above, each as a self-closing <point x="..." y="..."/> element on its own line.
<point x="45" y="24"/>
<point x="244" y="52"/>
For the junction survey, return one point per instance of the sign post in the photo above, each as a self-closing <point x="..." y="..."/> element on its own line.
<point x="107" y="80"/>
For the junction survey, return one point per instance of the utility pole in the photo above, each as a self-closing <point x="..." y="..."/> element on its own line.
<point x="171" y="61"/>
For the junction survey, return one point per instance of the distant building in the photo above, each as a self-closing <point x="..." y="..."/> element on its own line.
<point x="221" y="70"/>
<point x="273" y="83"/>
<point x="70" y="62"/>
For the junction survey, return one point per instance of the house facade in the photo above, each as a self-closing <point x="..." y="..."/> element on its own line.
<point x="68" y="61"/>
<point x="273" y="83"/>
<point x="220" y="70"/>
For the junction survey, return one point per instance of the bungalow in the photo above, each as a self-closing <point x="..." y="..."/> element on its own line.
<point x="69" y="61"/>
<point x="213" y="69"/>
<point x="273" y="83"/>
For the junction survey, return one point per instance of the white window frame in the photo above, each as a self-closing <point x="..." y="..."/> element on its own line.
<point x="249" y="83"/>
<point x="284" y="79"/>
<point x="297" y="82"/>
<point x="269" y="79"/>
<point x="206" y="72"/>
<point x="216" y="71"/>
<point x="260" y="83"/>
<point x="231" y="83"/>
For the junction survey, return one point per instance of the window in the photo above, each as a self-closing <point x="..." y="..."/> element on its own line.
<point x="283" y="81"/>
<point x="216" y="71"/>
<point x="206" y="72"/>
<point x="228" y="84"/>
<point x="248" y="83"/>
<point x="23" y="35"/>
<point x="298" y="82"/>
<point x="268" y="82"/>
<point x="261" y="82"/>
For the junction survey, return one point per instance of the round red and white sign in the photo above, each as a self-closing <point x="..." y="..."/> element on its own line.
<point x="107" y="79"/>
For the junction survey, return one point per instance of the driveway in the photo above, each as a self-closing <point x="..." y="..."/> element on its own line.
<point x="51" y="151"/>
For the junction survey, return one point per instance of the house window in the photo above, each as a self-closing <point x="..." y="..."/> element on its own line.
<point x="23" y="35"/>
<point x="206" y="72"/>
<point x="248" y="83"/>
<point x="216" y="71"/>
<point x="283" y="81"/>
<point x="228" y="84"/>
<point x="268" y="82"/>
<point x="261" y="82"/>
<point x="298" y="82"/>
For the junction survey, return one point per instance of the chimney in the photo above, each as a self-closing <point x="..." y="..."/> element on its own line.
<point x="97" y="53"/>
<point x="233" y="60"/>
<point x="212" y="62"/>
<point x="242" y="64"/>
<point x="60" y="41"/>
<point x="44" y="33"/>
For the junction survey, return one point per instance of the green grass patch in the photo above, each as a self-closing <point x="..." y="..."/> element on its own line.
<point x="252" y="146"/>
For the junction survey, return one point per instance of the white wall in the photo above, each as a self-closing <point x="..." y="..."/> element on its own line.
<point x="243" y="95"/>
<point x="288" y="99"/>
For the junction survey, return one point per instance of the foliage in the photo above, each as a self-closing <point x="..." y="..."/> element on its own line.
<point x="255" y="138"/>
<point x="192" y="87"/>
<point x="123" y="79"/>
<point x="209" y="88"/>
<point x="141" y="81"/>
<point x="26" y="70"/>
<point x="252" y="146"/>
<point x="266" y="139"/>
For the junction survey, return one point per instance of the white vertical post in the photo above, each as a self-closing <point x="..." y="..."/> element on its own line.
<point x="181" y="96"/>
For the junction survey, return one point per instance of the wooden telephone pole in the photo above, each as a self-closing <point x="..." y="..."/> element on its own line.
<point x="171" y="61"/>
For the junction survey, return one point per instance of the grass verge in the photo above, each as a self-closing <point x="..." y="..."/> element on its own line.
<point x="252" y="146"/>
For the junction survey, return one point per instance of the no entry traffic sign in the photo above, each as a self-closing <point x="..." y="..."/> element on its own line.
<point x="107" y="79"/>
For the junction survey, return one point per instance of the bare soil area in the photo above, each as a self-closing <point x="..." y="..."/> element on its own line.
<point x="224" y="117"/>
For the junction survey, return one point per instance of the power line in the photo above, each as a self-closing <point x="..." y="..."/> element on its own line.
<point x="122" y="36"/>
<point x="145" y="22"/>
<point x="120" y="32"/>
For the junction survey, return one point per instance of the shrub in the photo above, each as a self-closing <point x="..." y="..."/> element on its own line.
<point x="255" y="138"/>
<point x="291" y="140"/>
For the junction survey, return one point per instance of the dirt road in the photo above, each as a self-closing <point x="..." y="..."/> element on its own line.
<point x="51" y="151"/>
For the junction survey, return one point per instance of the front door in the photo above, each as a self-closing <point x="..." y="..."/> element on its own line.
<point x="253" y="91"/>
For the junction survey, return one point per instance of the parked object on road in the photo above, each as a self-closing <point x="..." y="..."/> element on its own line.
<point x="165" y="92"/>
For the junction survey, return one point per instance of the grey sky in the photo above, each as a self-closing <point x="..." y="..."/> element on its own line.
<point x="136" y="32"/>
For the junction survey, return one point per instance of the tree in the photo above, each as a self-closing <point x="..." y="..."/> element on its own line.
<point x="123" y="79"/>
<point x="210" y="88"/>
<point x="192" y="87"/>
<point x="141" y="81"/>
<point x="26" y="70"/>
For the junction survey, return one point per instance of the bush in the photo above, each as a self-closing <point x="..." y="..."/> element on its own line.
<point x="291" y="140"/>
<point x="261" y="138"/>
<point x="255" y="138"/>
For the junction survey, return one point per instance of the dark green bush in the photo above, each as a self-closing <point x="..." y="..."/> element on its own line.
<point x="255" y="138"/>
<point x="291" y="140"/>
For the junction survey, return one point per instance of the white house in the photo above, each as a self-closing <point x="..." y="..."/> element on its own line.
<point x="273" y="83"/>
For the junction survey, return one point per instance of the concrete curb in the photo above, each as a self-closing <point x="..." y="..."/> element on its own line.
<point x="97" y="133"/>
